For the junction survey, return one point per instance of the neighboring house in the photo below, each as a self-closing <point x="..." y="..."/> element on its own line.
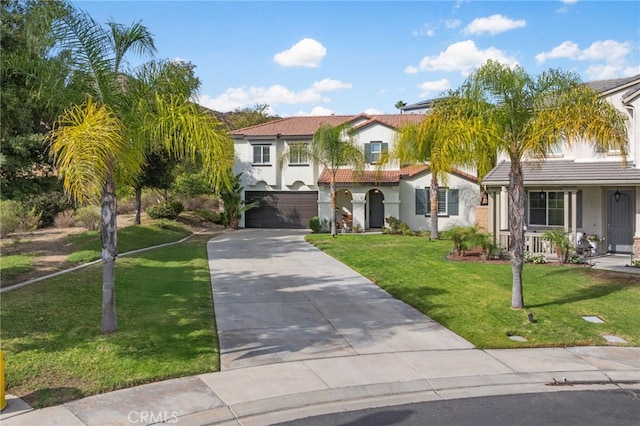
<point x="582" y="192"/>
<point x="291" y="194"/>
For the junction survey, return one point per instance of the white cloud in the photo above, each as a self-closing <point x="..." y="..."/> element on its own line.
<point x="493" y="25"/>
<point x="316" y="111"/>
<point x="410" y="69"/>
<point x="373" y="111"/>
<point x="305" y="53"/>
<point x="463" y="56"/>
<point x="452" y="24"/>
<point x="240" y="97"/>
<point x="430" y="88"/>
<point x="427" y="29"/>
<point x="605" y="50"/>
<point x="328" y="85"/>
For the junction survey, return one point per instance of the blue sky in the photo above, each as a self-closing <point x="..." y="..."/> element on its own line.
<point x="349" y="57"/>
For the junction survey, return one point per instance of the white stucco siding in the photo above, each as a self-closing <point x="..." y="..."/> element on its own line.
<point x="293" y="173"/>
<point x="377" y="133"/>
<point x="468" y="199"/>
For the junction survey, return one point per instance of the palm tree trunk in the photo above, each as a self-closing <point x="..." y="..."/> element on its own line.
<point x="516" y="229"/>
<point x="109" y="253"/>
<point x="137" y="219"/>
<point x="433" y="206"/>
<point x="332" y="216"/>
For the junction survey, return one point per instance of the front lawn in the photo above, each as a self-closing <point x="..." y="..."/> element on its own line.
<point x="53" y="348"/>
<point x="474" y="299"/>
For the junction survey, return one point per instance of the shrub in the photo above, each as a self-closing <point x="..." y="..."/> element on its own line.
<point x="206" y="215"/>
<point x="559" y="241"/>
<point x="15" y="216"/>
<point x="577" y="259"/>
<point x="357" y="229"/>
<point x="170" y="210"/>
<point x="394" y="225"/>
<point x="534" y="258"/>
<point x="48" y="205"/>
<point x="89" y="217"/>
<point x="314" y="224"/>
<point x="65" y="219"/>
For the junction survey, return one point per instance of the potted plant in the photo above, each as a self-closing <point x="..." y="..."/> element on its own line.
<point x="594" y="239"/>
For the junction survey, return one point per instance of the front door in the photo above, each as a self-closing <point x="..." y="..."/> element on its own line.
<point x="619" y="222"/>
<point x="376" y="209"/>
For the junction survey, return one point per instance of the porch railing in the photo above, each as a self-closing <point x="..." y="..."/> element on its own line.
<point x="533" y="242"/>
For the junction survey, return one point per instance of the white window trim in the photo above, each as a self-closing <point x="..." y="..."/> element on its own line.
<point x="262" y="152"/>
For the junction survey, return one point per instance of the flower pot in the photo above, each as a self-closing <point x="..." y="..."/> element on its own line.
<point x="594" y="247"/>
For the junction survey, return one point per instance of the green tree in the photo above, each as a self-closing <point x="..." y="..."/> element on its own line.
<point x="507" y="110"/>
<point x="431" y="141"/>
<point x="400" y="104"/>
<point x="332" y="148"/>
<point x="25" y="169"/>
<point x="245" y="117"/>
<point x="101" y="142"/>
<point x="234" y="205"/>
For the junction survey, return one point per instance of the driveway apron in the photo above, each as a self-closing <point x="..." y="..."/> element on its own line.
<point x="277" y="298"/>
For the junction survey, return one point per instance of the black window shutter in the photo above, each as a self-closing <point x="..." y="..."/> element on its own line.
<point x="452" y="208"/>
<point x="367" y="152"/>
<point x="428" y="204"/>
<point x="385" y="148"/>
<point x="421" y="201"/>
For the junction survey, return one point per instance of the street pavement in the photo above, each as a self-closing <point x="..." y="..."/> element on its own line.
<point x="303" y="335"/>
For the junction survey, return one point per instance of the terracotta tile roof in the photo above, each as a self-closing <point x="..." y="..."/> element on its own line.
<point x="377" y="177"/>
<point x="306" y="126"/>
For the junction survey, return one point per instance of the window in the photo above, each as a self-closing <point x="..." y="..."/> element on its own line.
<point x="546" y="208"/>
<point x="373" y="151"/>
<point x="261" y="154"/>
<point x="447" y="202"/>
<point x="298" y="154"/>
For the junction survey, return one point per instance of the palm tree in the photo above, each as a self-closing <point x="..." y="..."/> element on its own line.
<point x="433" y="141"/>
<point x="331" y="147"/>
<point x="400" y="104"/>
<point x="523" y="117"/>
<point x="100" y="142"/>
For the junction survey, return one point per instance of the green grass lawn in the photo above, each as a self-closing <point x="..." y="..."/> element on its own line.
<point x="51" y="338"/>
<point x="87" y="245"/>
<point x="474" y="299"/>
<point x="15" y="264"/>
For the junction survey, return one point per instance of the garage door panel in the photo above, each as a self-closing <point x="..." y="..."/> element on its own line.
<point x="280" y="209"/>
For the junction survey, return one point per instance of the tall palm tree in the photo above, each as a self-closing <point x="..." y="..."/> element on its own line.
<point x="432" y="141"/>
<point x="523" y="117"/>
<point x="100" y="142"/>
<point x="331" y="148"/>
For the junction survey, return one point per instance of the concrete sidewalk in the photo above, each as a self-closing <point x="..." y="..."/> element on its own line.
<point x="301" y="334"/>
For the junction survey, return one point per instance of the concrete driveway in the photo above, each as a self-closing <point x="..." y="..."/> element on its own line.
<point x="278" y="298"/>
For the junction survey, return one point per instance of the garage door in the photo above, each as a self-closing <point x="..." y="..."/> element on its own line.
<point x="281" y="209"/>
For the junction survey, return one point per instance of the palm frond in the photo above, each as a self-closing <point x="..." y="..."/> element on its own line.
<point x="135" y="38"/>
<point x="85" y="144"/>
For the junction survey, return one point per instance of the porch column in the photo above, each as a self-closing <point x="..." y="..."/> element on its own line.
<point x="636" y="235"/>
<point x="574" y="216"/>
<point x="391" y="203"/>
<point x="358" y="202"/>
<point x="491" y="216"/>
<point x="504" y="209"/>
<point x="324" y="203"/>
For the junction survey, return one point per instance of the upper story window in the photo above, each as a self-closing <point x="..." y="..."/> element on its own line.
<point x="546" y="208"/>
<point x="261" y="154"/>
<point x="298" y="154"/>
<point x="373" y="151"/>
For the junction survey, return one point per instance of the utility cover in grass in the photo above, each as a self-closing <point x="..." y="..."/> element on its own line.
<point x="614" y="339"/>
<point x="518" y="338"/>
<point x="593" y="318"/>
